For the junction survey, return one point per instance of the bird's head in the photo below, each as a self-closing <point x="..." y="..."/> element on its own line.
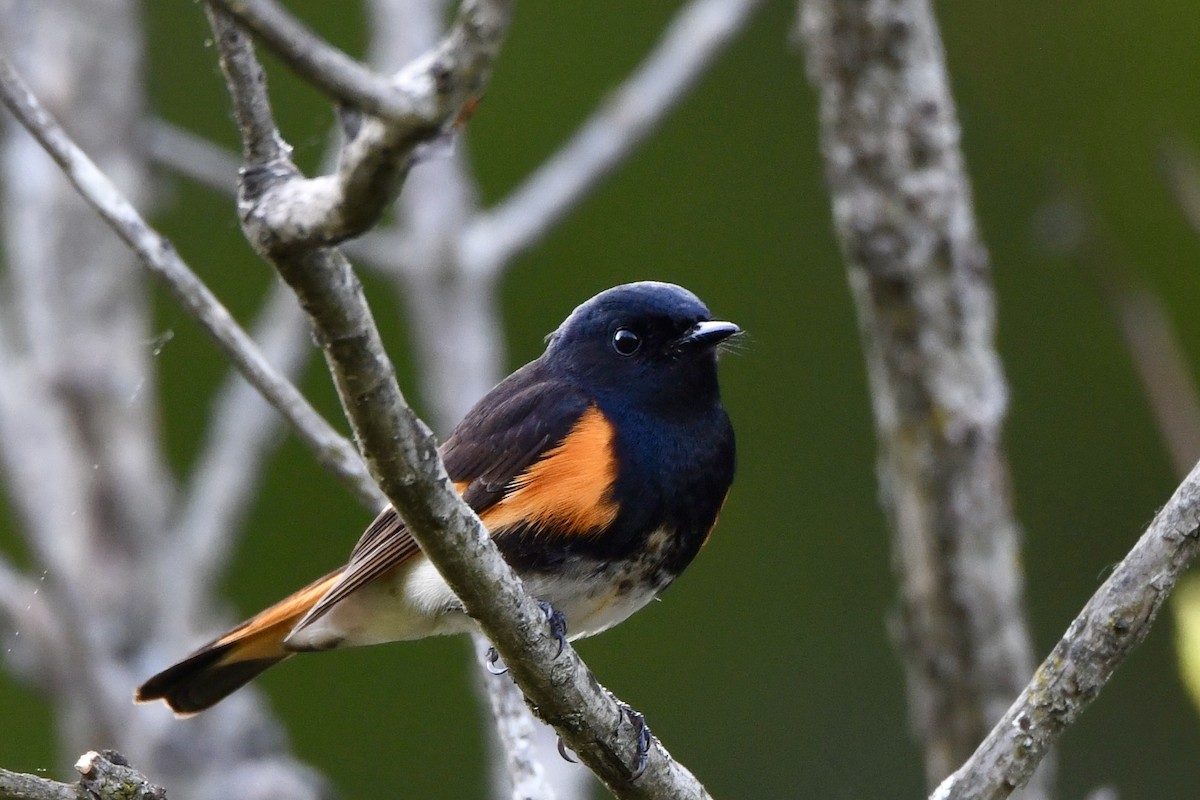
<point x="654" y="343"/>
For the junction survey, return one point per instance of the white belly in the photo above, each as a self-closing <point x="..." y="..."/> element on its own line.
<point x="415" y="602"/>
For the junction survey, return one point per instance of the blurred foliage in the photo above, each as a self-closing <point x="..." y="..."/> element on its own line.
<point x="766" y="669"/>
<point x="1185" y="602"/>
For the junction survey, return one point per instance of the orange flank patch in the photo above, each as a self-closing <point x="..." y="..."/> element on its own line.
<point x="262" y="635"/>
<point x="568" y="491"/>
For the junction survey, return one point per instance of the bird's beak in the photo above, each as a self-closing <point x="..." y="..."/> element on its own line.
<point x="704" y="335"/>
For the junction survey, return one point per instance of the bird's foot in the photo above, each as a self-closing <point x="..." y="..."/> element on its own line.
<point x="644" y="738"/>
<point x="558" y="629"/>
<point x="557" y="622"/>
<point x="640" y="729"/>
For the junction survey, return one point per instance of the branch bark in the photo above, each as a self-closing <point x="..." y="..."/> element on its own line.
<point x="1115" y="620"/>
<point x="103" y="776"/>
<point x="324" y="65"/>
<point x="920" y="281"/>
<point x="377" y="155"/>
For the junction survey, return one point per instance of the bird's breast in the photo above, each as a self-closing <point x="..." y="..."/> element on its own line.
<point x="595" y="594"/>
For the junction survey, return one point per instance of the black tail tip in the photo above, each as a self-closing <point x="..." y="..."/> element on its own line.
<point x="200" y="681"/>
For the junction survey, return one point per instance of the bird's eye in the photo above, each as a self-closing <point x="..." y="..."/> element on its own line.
<point x="626" y="342"/>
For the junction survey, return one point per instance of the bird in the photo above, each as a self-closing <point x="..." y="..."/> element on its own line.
<point x="599" y="469"/>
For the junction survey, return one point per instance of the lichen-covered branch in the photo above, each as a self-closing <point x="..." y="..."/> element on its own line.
<point x="103" y="776"/>
<point x="921" y="285"/>
<point x="1115" y="620"/>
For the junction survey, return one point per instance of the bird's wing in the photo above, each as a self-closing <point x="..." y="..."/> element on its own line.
<point x="509" y="431"/>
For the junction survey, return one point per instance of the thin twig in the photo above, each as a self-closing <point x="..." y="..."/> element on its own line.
<point x="215" y="168"/>
<point x="242" y="430"/>
<point x="1115" y="620"/>
<point x="261" y="143"/>
<point x="401" y="451"/>
<point x="1069" y="226"/>
<point x="693" y="39"/>
<point x="1162" y="367"/>
<point x="332" y="450"/>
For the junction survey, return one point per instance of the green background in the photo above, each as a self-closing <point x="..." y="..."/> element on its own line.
<point x="766" y="669"/>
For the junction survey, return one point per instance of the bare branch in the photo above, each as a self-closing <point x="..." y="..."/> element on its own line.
<point x="261" y="143"/>
<point x="19" y="786"/>
<point x="458" y="342"/>
<point x="242" y="430"/>
<point x="215" y="168"/>
<point x="693" y="39"/>
<point x="332" y="450"/>
<point x="187" y="154"/>
<point x="324" y="65"/>
<point x="1114" y="621"/>
<point x="920" y="279"/>
<point x="377" y="156"/>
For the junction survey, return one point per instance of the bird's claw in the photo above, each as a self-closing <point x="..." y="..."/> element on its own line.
<point x="557" y="623"/>
<point x="566" y="755"/>
<point x="644" y="739"/>
<point x="491" y="660"/>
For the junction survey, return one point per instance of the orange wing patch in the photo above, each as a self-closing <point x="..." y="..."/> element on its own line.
<point x="567" y="491"/>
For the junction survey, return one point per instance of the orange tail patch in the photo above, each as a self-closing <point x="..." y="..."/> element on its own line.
<point x="230" y="661"/>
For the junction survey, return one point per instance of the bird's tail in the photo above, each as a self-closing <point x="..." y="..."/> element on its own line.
<point x="230" y="661"/>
